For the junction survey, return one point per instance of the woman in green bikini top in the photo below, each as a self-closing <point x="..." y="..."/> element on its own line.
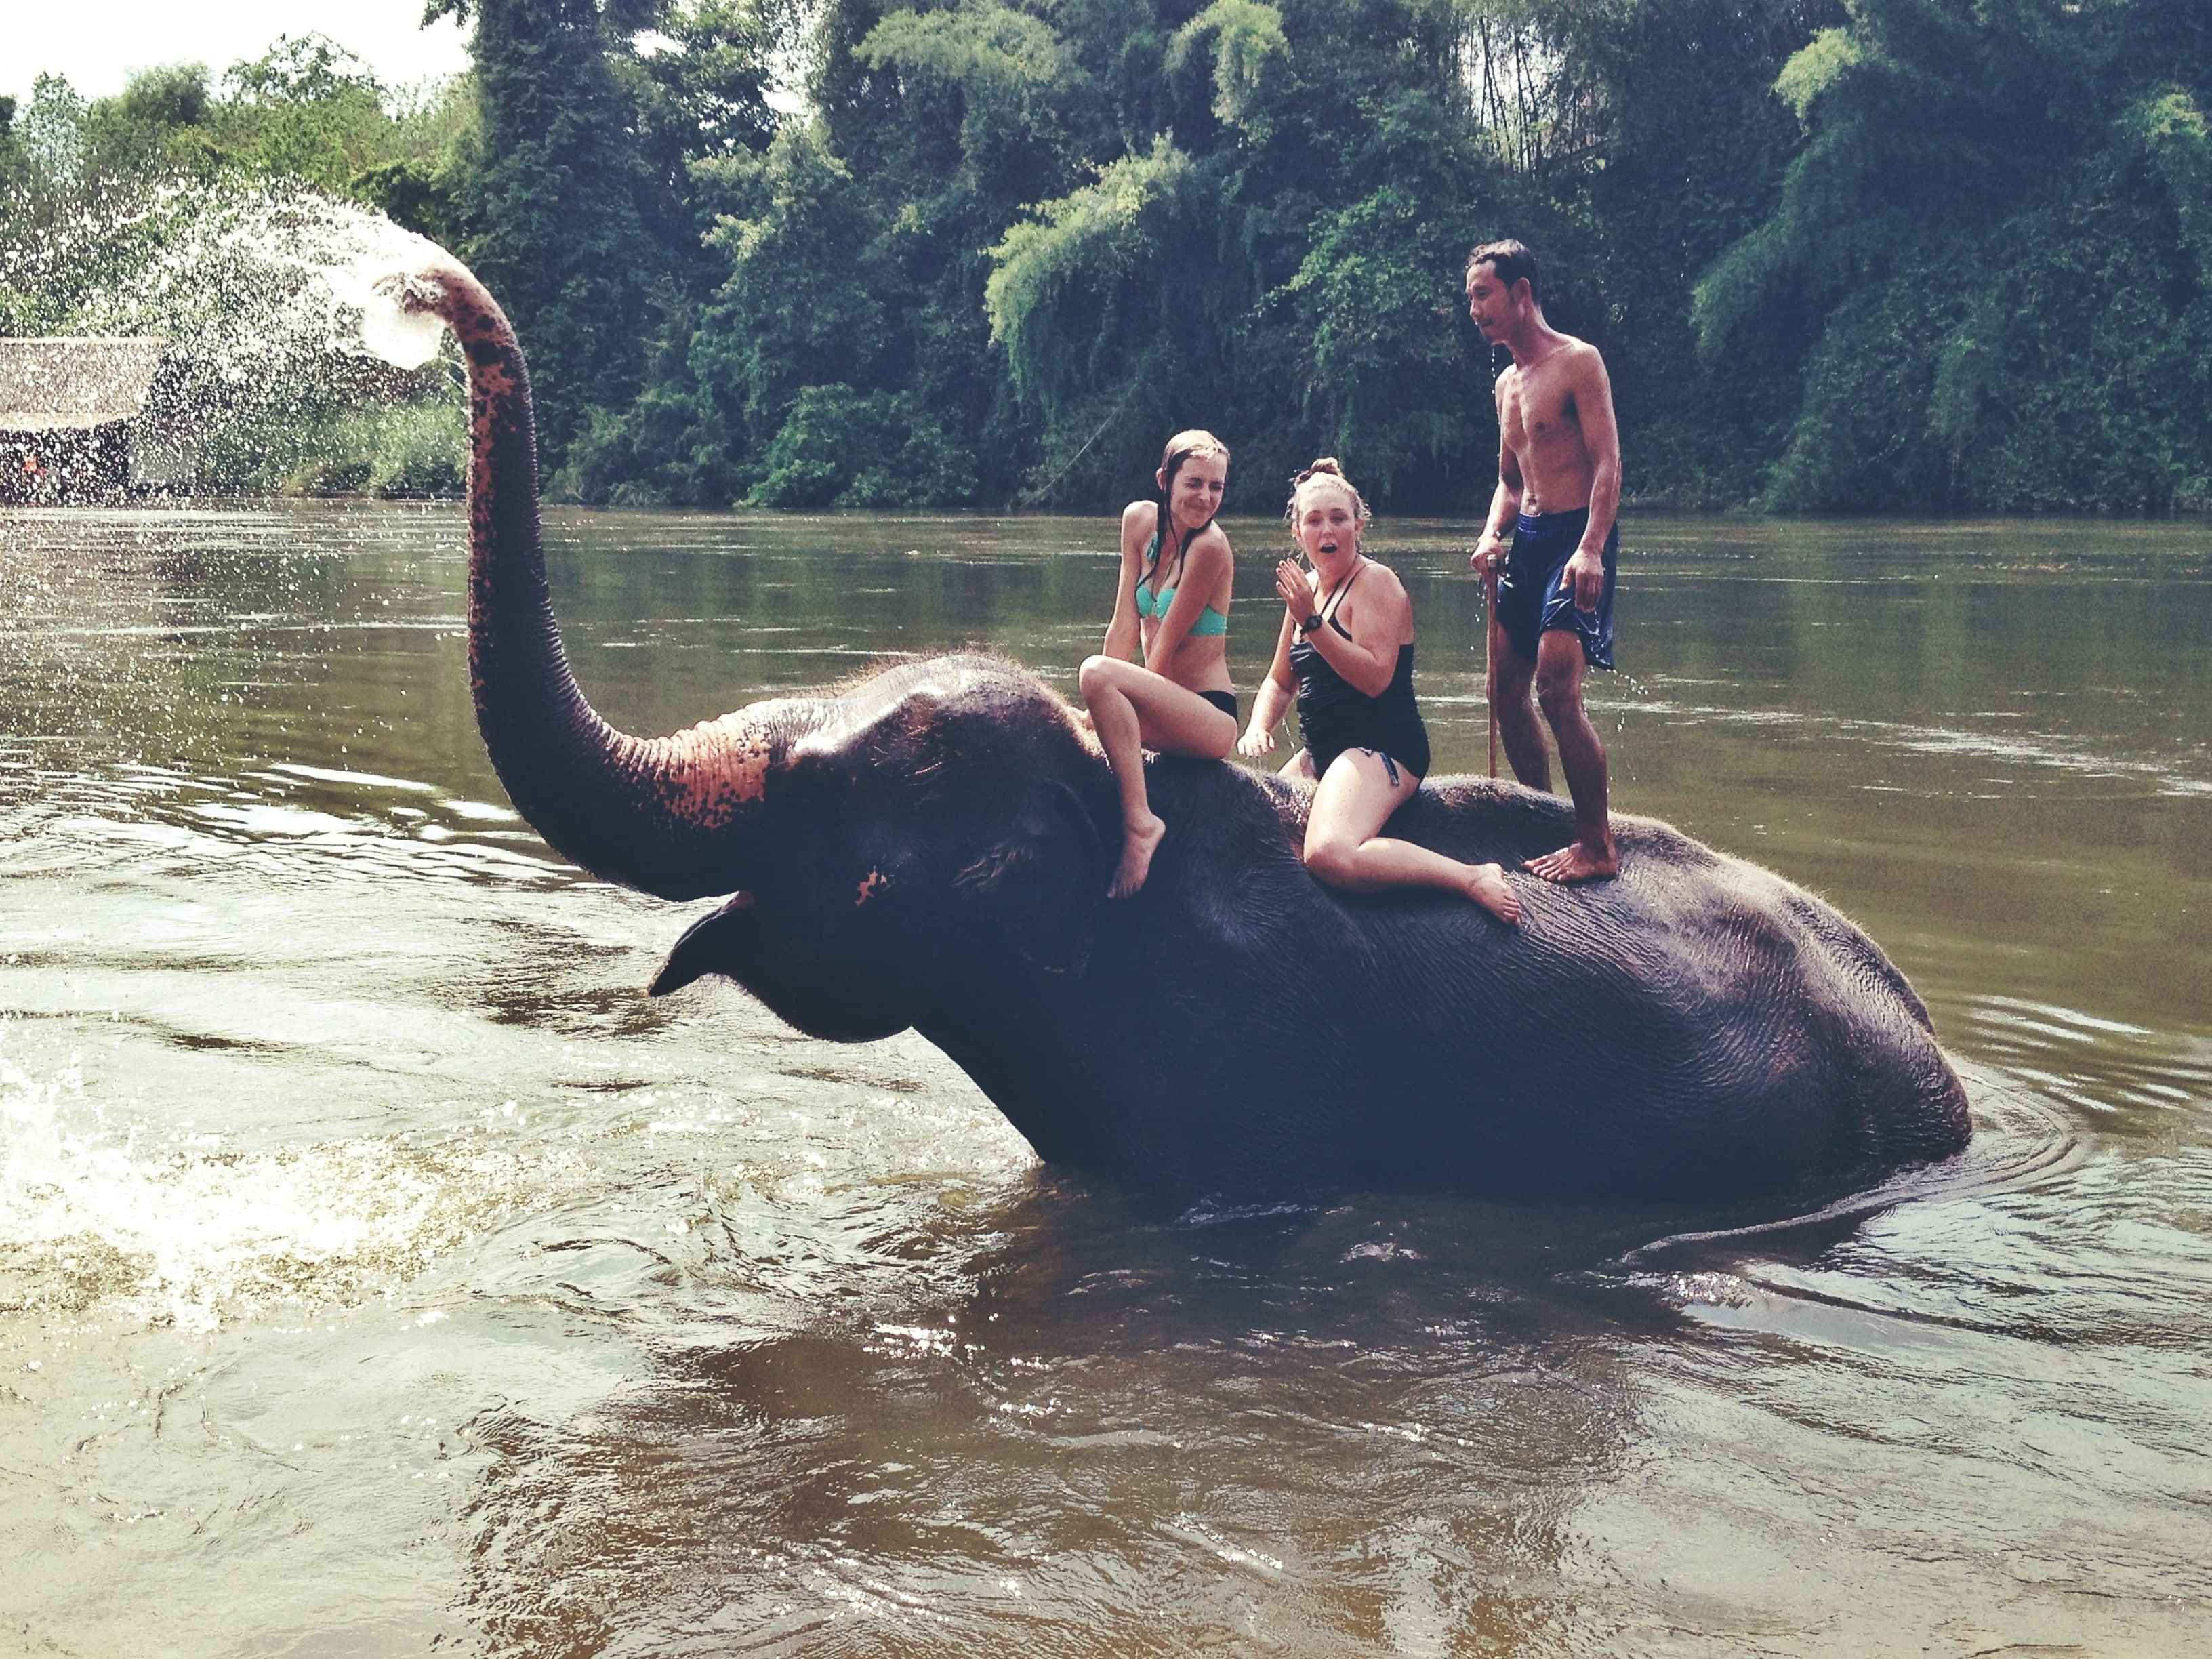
<point x="1154" y="607"/>
<point x="1173" y="601"/>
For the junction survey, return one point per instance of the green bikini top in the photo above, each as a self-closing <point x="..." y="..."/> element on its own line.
<point x="1153" y="607"/>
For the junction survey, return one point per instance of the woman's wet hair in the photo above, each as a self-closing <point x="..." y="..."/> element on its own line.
<point x="1192" y="440"/>
<point x="1330" y="470"/>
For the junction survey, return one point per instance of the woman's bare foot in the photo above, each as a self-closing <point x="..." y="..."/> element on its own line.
<point x="1139" y="843"/>
<point x="1487" y="886"/>
<point x="1575" y="862"/>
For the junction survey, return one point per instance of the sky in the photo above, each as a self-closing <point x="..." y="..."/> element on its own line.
<point x="100" y="44"/>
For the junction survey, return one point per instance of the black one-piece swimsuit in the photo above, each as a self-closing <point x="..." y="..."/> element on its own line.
<point x="1334" y="715"/>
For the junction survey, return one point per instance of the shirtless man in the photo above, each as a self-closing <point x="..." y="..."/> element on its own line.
<point x="1559" y="493"/>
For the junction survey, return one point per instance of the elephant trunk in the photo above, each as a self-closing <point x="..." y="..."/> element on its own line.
<point x="668" y="815"/>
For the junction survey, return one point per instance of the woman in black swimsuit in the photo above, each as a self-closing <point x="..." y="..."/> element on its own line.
<point x="1346" y="654"/>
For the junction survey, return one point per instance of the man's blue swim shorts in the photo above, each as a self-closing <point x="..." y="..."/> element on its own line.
<point x="1535" y="595"/>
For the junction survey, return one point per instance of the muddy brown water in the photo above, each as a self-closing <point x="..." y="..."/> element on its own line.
<point x="381" y="1272"/>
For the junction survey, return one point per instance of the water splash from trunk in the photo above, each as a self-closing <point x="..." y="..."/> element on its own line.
<point x="279" y="358"/>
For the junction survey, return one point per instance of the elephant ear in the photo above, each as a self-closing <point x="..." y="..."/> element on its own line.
<point x="709" y="946"/>
<point x="1037" y="882"/>
<point x="1040" y="887"/>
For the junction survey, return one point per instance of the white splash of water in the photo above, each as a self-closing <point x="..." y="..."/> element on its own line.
<point x="406" y="339"/>
<point x="266" y="294"/>
<point x="188" y="1234"/>
<point x="223" y="263"/>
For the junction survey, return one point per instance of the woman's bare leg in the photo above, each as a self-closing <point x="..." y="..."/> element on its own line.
<point x="1131" y="707"/>
<point x="1355" y="799"/>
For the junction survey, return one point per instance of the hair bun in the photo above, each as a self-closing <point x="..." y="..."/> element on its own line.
<point x="1326" y="467"/>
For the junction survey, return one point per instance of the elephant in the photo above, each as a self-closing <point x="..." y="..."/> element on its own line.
<point x="929" y="848"/>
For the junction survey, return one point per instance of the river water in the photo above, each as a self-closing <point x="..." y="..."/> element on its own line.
<point x="381" y="1271"/>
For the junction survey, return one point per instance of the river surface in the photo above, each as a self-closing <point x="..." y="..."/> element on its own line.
<point x="382" y="1272"/>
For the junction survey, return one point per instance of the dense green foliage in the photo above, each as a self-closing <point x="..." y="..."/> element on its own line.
<point x="1055" y="231"/>
<point x="1840" y="254"/>
<point x="305" y="111"/>
<point x="1995" y="253"/>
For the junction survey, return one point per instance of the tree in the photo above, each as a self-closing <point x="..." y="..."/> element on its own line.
<point x="604" y="154"/>
<point x="1254" y="276"/>
<point x="1105" y="305"/>
<point x="559" y="236"/>
<point x="306" y="109"/>
<point x="1991" y="245"/>
<point x="803" y="303"/>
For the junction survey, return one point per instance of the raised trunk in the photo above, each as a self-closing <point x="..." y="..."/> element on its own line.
<point x="666" y="814"/>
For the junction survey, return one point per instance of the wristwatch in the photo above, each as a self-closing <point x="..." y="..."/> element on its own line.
<point x="1312" y="622"/>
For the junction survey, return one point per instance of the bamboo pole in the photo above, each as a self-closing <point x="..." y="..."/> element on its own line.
<point x="1489" y="681"/>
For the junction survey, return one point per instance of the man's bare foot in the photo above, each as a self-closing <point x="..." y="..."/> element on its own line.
<point x="1575" y="862"/>
<point x="1138" y="846"/>
<point x="1486" y="885"/>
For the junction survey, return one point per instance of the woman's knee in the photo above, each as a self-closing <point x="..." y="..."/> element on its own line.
<point x="1331" y="858"/>
<point x="1096" y="675"/>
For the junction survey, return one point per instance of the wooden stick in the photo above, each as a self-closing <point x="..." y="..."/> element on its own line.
<point x="1489" y="632"/>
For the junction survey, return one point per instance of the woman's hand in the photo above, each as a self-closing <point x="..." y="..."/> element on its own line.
<point x="1258" y="739"/>
<point x="1293" y="589"/>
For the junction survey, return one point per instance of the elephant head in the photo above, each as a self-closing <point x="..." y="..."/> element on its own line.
<point x="931" y="826"/>
<point x="871" y="841"/>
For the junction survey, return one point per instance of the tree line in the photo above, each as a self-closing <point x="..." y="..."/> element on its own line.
<point x="1840" y="255"/>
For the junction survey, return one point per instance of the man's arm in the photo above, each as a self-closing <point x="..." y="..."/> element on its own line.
<point x="1593" y="396"/>
<point x="1505" y="501"/>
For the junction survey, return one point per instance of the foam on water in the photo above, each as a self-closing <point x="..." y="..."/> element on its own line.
<point x="172" y="1229"/>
